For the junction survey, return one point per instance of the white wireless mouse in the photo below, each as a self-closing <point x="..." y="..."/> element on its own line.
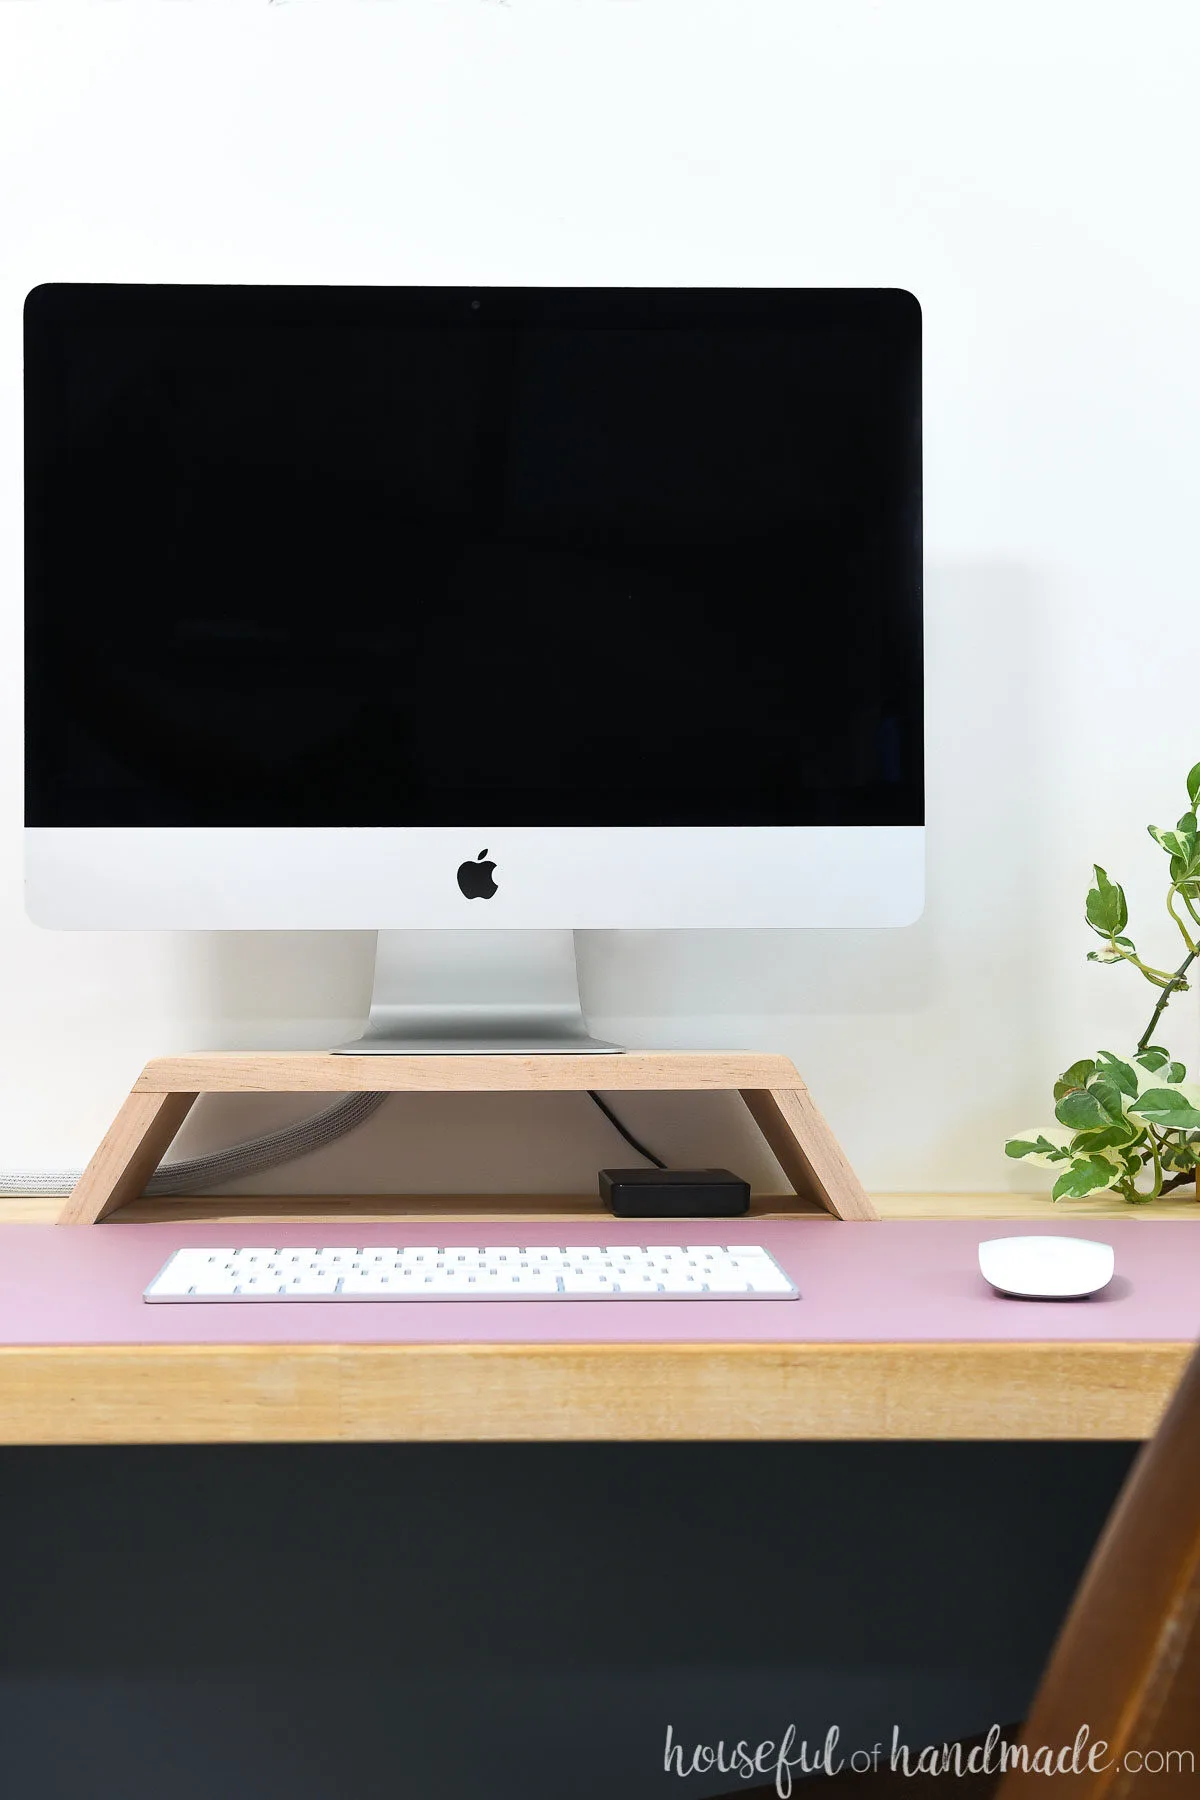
<point x="1046" y="1268"/>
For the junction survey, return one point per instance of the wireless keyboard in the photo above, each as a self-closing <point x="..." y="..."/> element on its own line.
<point x="490" y="1272"/>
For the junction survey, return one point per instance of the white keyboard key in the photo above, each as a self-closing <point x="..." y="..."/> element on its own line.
<point x="312" y="1286"/>
<point x="767" y="1277"/>
<point x="219" y="1283"/>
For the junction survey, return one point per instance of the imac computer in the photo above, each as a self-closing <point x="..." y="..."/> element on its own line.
<point x="473" y="617"/>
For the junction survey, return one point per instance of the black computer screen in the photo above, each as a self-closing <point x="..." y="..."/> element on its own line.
<point x="382" y="557"/>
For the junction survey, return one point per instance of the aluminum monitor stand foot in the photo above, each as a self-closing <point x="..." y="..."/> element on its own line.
<point x="476" y="993"/>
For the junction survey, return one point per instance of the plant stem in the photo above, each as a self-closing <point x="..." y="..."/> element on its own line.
<point x="1156" y="1190"/>
<point x="1183" y="930"/>
<point x="1159" y="977"/>
<point x="1171" y="987"/>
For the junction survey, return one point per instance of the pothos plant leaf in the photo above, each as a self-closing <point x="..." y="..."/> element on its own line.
<point x="1106" y="908"/>
<point x="1108" y="1093"/>
<point x="1183" y="847"/>
<point x="1086" y="1175"/>
<point x="1082" y="1110"/>
<point x="1086" y="1143"/>
<point x="1036" y="1147"/>
<point x="1167" y="1107"/>
<point x="1126" y="1120"/>
<point x="1077" y="1076"/>
<point x="1181" y="844"/>
<point x="1092" y="1108"/>
<point x="1119" y="1071"/>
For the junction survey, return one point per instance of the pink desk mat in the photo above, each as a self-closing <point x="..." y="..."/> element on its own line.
<point x="877" y="1283"/>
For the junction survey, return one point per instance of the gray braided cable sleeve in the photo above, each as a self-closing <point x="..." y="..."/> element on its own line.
<point x="192" y="1174"/>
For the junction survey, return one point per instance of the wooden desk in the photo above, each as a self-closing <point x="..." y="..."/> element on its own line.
<point x="896" y="1336"/>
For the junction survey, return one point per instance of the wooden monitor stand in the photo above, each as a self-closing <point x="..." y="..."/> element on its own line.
<point x="164" y="1093"/>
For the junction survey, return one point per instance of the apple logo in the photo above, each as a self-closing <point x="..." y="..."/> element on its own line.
<point x="475" y="878"/>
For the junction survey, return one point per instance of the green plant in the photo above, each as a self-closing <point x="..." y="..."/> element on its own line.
<point x="1121" y="1118"/>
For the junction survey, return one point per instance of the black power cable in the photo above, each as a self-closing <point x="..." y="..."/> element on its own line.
<point x="613" y="1120"/>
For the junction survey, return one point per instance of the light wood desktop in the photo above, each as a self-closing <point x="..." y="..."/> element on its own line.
<point x="902" y="1385"/>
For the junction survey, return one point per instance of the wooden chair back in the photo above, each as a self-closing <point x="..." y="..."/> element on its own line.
<point x="1126" y="1665"/>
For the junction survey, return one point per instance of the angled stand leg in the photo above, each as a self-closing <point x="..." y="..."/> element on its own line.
<point x="807" y="1151"/>
<point x="131" y="1150"/>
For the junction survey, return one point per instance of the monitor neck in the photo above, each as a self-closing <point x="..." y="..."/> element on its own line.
<point x="475" y="993"/>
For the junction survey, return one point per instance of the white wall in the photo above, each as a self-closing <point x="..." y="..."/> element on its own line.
<point x="1028" y="170"/>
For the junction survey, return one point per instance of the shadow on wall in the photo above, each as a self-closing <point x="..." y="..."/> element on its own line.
<point x="938" y="1022"/>
<point x="489" y="1143"/>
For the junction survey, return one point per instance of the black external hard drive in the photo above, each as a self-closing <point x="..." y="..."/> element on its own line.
<point x="674" y="1193"/>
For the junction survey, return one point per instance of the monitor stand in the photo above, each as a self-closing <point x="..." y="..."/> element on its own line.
<point x="476" y="993"/>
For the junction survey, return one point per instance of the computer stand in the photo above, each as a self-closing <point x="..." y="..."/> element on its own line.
<point x="776" y="1098"/>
